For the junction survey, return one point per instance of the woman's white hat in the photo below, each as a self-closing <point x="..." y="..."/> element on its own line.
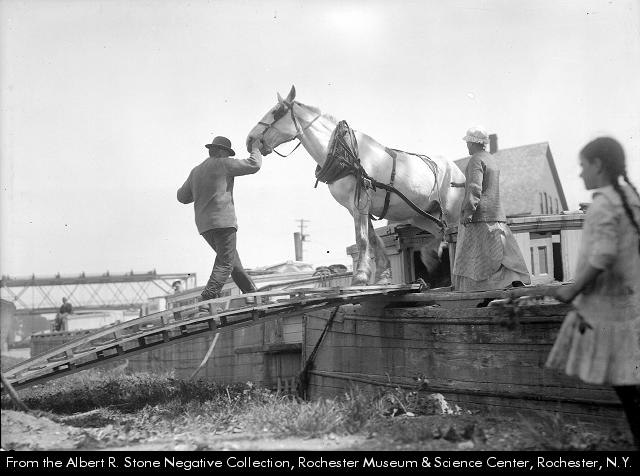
<point x="477" y="134"/>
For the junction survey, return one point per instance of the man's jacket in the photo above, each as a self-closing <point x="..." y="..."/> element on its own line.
<point x="210" y="188"/>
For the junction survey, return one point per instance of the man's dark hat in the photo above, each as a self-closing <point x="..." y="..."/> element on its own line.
<point x="221" y="143"/>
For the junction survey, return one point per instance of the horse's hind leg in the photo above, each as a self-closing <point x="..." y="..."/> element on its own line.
<point x="383" y="265"/>
<point x="362" y="274"/>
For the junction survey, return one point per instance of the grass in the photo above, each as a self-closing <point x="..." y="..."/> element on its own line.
<point x="138" y="407"/>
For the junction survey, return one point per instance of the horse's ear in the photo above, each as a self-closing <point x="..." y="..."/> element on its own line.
<point x="292" y="94"/>
<point x="280" y="100"/>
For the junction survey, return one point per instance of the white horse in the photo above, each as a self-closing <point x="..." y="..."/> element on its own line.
<point x="426" y="182"/>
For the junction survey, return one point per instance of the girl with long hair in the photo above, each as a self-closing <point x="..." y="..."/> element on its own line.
<point x="599" y="340"/>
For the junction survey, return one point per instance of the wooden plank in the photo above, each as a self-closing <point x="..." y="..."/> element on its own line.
<point x="499" y="365"/>
<point x="274" y="348"/>
<point x="479" y="357"/>
<point x="445" y="333"/>
<point x="461" y="296"/>
<point x="27" y="380"/>
<point x="424" y="312"/>
<point x="570" y="244"/>
<point x="516" y="399"/>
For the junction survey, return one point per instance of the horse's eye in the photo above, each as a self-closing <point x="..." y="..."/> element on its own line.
<point x="278" y="113"/>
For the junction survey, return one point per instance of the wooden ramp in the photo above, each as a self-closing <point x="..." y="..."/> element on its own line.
<point x="187" y="322"/>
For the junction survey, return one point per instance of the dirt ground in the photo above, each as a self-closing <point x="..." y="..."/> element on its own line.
<point x="21" y="431"/>
<point x="103" y="429"/>
<point x="35" y="431"/>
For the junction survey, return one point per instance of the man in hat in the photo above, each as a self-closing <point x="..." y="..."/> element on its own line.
<point x="210" y="188"/>
<point x="487" y="254"/>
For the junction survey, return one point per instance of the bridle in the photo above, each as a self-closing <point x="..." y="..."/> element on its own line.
<point x="299" y="130"/>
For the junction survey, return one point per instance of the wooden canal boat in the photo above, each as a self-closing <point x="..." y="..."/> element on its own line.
<point x="436" y="341"/>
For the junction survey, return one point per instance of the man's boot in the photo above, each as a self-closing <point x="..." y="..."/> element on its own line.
<point x="205" y="297"/>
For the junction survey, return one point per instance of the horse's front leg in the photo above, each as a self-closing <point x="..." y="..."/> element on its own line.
<point x="362" y="273"/>
<point x="383" y="265"/>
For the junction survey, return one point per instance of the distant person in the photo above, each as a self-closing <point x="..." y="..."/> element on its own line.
<point x="177" y="287"/>
<point x="66" y="307"/>
<point x="487" y="254"/>
<point x="60" y="323"/>
<point x="599" y="340"/>
<point x="210" y="188"/>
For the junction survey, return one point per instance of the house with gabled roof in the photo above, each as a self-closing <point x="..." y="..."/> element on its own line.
<point x="529" y="181"/>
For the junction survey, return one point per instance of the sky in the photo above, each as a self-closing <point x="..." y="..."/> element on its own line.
<point x="105" y="107"/>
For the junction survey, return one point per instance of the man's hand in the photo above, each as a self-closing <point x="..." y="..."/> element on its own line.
<point x="256" y="144"/>
<point x="466" y="220"/>
<point x="566" y="293"/>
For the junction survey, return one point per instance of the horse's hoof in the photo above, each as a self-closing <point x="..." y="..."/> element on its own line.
<point x="384" y="278"/>
<point x="360" y="279"/>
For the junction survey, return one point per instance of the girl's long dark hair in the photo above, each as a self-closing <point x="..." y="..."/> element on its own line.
<point x="611" y="154"/>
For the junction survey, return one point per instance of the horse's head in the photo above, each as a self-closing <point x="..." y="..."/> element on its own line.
<point x="277" y="126"/>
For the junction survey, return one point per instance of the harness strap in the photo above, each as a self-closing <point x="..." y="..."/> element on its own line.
<point x="407" y="201"/>
<point x="343" y="160"/>
<point x="299" y="130"/>
<point x="294" y="149"/>
<point x="387" y="197"/>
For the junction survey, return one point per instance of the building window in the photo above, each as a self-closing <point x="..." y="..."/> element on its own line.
<point x="542" y="259"/>
<point x="546" y="204"/>
<point x="541" y="205"/>
<point x="557" y="208"/>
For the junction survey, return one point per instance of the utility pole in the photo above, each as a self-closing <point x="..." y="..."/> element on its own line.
<point x="299" y="238"/>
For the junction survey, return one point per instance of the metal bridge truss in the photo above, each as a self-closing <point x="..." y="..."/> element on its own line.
<point x="106" y="291"/>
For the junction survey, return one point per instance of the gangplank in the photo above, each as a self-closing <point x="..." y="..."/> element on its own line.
<point x="186" y="322"/>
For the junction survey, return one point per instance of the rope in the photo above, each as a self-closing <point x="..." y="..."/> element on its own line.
<point x="303" y="377"/>
<point x="206" y="357"/>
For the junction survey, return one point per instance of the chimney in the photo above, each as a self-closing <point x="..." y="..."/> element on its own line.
<point x="493" y="143"/>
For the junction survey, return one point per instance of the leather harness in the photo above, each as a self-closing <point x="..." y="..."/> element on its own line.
<point x="343" y="160"/>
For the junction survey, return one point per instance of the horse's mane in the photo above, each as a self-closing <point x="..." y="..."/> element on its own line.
<point x="317" y="110"/>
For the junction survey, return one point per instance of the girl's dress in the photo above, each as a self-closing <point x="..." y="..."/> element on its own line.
<point x="599" y="341"/>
